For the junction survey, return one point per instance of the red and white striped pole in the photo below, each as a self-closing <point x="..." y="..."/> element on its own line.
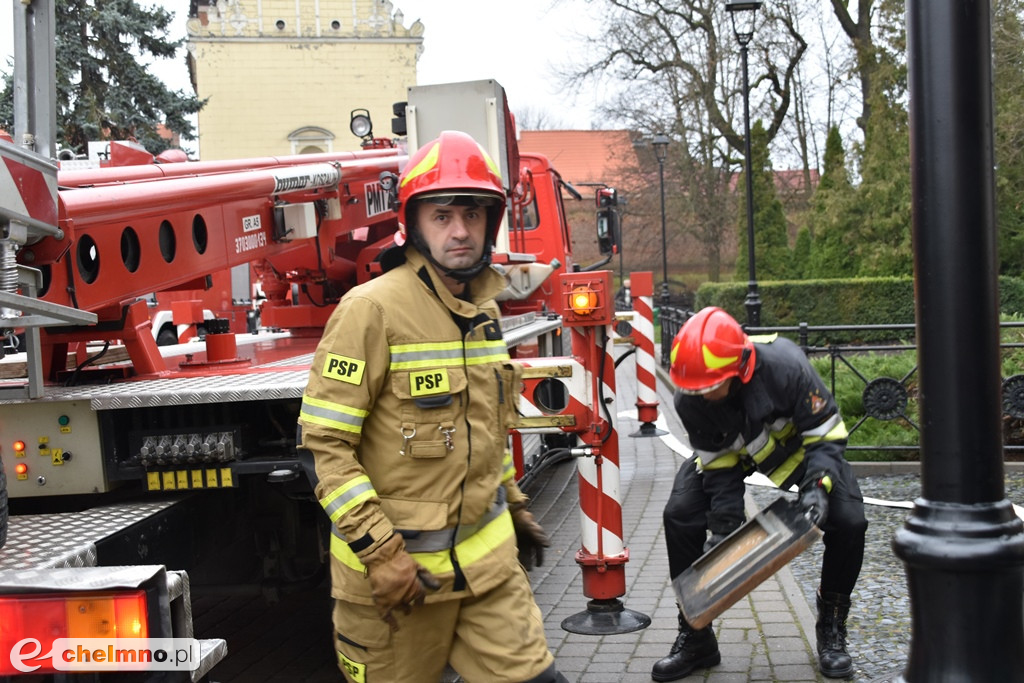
<point x="603" y="554"/>
<point x="643" y="342"/>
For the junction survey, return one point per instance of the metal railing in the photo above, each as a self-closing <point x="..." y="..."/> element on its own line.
<point x="883" y="398"/>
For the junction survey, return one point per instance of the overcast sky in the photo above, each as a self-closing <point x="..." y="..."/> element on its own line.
<point x="518" y="44"/>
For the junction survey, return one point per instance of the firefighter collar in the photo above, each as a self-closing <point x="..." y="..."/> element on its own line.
<point x="483" y="288"/>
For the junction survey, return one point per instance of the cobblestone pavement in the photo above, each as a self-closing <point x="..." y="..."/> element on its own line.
<point x="879" y="623"/>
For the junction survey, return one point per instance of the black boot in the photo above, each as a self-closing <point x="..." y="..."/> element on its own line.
<point x="692" y="650"/>
<point x="833" y="659"/>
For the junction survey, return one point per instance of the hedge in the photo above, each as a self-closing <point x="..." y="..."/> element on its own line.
<point x="855" y="301"/>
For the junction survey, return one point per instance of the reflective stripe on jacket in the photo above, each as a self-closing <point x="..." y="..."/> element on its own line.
<point x="410" y="394"/>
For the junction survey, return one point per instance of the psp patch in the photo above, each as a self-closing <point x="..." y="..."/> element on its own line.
<point x="343" y="368"/>
<point x="355" y="670"/>
<point x="428" y="382"/>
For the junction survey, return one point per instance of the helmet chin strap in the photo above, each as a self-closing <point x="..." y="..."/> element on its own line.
<point x="460" y="275"/>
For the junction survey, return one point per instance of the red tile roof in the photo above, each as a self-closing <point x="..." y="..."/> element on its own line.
<point x="584" y="156"/>
<point x="787" y="182"/>
<point x="609" y="156"/>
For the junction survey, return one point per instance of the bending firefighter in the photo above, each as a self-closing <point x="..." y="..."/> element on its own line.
<point x="758" y="406"/>
<point x="406" y="412"/>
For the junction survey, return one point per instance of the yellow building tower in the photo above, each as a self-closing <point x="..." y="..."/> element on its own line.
<point x="283" y="76"/>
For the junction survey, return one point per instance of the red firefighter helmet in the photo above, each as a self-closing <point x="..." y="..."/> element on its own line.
<point x="710" y="348"/>
<point x="452" y="166"/>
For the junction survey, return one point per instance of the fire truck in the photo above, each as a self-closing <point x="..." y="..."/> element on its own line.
<point x="131" y="470"/>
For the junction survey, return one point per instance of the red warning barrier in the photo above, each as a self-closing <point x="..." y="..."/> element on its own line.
<point x="603" y="555"/>
<point x="643" y="339"/>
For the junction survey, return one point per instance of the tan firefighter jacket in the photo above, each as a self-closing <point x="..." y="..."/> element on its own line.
<point x="406" y="415"/>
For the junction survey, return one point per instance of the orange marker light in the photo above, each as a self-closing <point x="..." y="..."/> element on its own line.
<point x="583" y="300"/>
<point x="21" y="468"/>
<point x="19" y="447"/>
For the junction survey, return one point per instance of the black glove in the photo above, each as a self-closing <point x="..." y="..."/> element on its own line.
<point x="713" y="540"/>
<point x="530" y="537"/>
<point x="814" y="492"/>
<point x="720" y="527"/>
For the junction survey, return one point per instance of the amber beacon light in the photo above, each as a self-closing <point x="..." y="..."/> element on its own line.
<point x="587" y="298"/>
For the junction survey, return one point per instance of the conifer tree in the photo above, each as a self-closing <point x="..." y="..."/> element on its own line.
<point x="1008" y="85"/>
<point x="831" y="253"/>
<point x="880" y="217"/>
<point x="773" y="259"/>
<point x="105" y="89"/>
<point x="802" y="255"/>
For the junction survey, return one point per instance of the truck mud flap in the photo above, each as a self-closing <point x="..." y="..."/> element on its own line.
<point x="740" y="563"/>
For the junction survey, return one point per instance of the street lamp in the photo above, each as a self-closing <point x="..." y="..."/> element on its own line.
<point x="660" y="144"/>
<point x="742" y="14"/>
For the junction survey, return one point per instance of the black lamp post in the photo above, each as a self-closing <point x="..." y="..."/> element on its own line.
<point x="742" y="14"/>
<point x="660" y="143"/>
<point x="963" y="544"/>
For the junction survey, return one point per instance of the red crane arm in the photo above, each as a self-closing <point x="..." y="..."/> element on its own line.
<point x="140" y="172"/>
<point x="123" y="241"/>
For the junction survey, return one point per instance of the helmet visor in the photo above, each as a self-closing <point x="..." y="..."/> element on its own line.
<point x="460" y="198"/>
<point x="704" y="390"/>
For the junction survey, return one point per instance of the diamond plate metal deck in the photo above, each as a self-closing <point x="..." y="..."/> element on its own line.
<point x="40" y="543"/>
<point x="184" y="390"/>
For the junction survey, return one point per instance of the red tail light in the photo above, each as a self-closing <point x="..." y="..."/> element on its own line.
<point x="72" y="615"/>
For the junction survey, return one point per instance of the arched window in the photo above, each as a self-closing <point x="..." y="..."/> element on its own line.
<point x="311" y="140"/>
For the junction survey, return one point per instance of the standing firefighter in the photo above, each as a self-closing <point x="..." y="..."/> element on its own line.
<point x="761" y="406"/>
<point x="406" y="414"/>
